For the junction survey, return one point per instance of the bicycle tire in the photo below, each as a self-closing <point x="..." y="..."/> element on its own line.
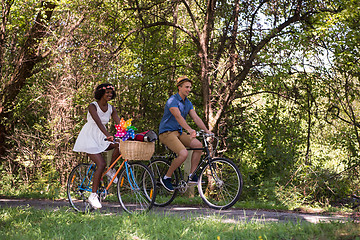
<point x="159" y="167"/>
<point x="79" y="187"/>
<point x="137" y="190"/>
<point x="220" y="183"/>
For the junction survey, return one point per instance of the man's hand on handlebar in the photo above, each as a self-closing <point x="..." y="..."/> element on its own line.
<point x="209" y="133"/>
<point x="193" y="133"/>
<point x="206" y="133"/>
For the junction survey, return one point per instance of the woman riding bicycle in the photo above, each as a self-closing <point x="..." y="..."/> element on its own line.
<point x="171" y="132"/>
<point x="92" y="135"/>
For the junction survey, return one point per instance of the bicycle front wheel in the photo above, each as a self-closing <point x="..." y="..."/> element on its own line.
<point x="136" y="188"/>
<point x="79" y="187"/>
<point x="220" y="183"/>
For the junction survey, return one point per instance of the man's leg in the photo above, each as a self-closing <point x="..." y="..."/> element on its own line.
<point x="172" y="141"/>
<point x="195" y="159"/>
<point x="192" y="143"/>
<point x="177" y="162"/>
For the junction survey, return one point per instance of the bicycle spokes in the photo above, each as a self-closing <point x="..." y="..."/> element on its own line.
<point x="159" y="168"/>
<point x="78" y="187"/>
<point x="136" y="188"/>
<point x="221" y="184"/>
<point x="130" y="176"/>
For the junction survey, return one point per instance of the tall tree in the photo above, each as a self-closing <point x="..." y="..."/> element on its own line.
<point x="28" y="55"/>
<point x="23" y="47"/>
<point x="228" y="38"/>
<point x="338" y="36"/>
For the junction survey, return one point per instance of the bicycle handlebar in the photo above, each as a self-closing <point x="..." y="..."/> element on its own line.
<point x="205" y="135"/>
<point x="202" y="133"/>
<point x="115" y="138"/>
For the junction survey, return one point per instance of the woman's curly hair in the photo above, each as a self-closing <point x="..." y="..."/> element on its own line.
<point x="100" y="90"/>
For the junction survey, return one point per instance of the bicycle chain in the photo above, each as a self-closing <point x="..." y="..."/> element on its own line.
<point x="182" y="187"/>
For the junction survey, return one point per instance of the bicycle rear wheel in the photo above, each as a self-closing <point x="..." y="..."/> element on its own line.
<point x="220" y="183"/>
<point x="79" y="187"/>
<point x="159" y="167"/>
<point x="136" y="188"/>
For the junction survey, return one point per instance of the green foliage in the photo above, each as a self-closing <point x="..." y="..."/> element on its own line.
<point x="277" y="125"/>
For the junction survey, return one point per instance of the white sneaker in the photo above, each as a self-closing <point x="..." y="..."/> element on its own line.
<point x="94" y="201"/>
<point x="110" y="174"/>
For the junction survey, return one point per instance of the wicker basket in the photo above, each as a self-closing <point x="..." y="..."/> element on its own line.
<point x="135" y="150"/>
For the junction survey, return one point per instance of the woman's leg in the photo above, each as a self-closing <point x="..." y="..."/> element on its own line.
<point x="116" y="152"/>
<point x="100" y="166"/>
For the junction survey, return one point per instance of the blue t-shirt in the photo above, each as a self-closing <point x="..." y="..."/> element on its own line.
<point x="168" y="121"/>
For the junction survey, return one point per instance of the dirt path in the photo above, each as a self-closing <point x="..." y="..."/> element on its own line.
<point x="230" y="215"/>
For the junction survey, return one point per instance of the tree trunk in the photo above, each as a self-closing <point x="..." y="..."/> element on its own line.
<point x="204" y="38"/>
<point x="29" y="55"/>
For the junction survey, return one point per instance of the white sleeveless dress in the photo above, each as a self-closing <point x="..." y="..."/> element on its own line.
<point x="91" y="138"/>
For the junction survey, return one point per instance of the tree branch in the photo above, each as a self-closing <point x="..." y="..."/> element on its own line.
<point x="156" y="24"/>
<point x="28" y="56"/>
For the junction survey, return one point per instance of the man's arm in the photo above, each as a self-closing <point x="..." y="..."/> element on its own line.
<point x="176" y="112"/>
<point x="198" y="121"/>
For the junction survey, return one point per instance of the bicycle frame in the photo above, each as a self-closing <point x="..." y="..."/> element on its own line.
<point x="87" y="188"/>
<point x="117" y="172"/>
<point x="203" y="161"/>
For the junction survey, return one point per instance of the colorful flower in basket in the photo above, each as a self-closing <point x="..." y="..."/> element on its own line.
<point x="125" y="130"/>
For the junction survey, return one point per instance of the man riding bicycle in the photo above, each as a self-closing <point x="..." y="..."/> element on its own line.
<point x="171" y="132"/>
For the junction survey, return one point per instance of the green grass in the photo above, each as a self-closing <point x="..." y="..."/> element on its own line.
<point x="28" y="223"/>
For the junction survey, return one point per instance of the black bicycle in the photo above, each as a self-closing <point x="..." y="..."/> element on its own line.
<point x="220" y="182"/>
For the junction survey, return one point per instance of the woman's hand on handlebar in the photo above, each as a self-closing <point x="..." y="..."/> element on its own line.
<point x="110" y="138"/>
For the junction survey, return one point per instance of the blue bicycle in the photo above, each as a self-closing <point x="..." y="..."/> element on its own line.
<point x="136" y="186"/>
